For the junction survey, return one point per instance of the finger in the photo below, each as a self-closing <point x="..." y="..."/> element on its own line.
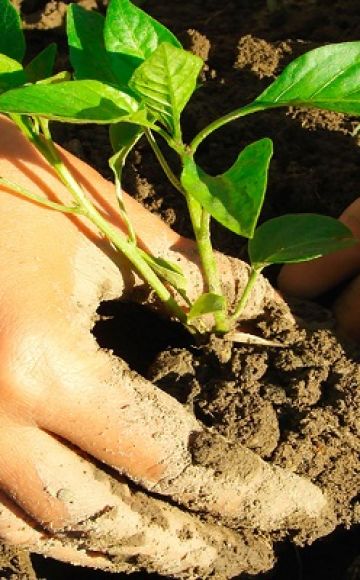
<point x="52" y="484"/>
<point x="147" y="435"/>
<point x="118" y="417"/>
<point x="310" y="279"/>
<point x="16" y="529"/>
<point x="347" y="310"/>
<point x="139" y="532"/>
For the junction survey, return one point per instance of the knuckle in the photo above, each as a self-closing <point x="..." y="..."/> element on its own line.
<point x="23" y="366"/>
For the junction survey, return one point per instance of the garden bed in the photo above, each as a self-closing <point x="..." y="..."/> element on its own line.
<point x="296" y="405"/>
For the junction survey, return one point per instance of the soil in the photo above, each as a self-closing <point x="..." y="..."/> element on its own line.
<point x="297" y="406"/>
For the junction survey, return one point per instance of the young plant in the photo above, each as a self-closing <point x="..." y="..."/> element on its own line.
<point x="132" y="73"/>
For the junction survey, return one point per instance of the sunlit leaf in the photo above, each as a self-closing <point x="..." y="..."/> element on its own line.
<point x="297" y="238"/>
<point x="11" y="73"/>
<point x="208" y="303"/>
<point x="88" y="55"/>
<point x="324" y="78"/>
<point x="166" y="81"/>
<point x="168" y="271"/>
<point x="129" y="30"/>
<point x="235" y="197"/>
<point x="58" y="78"/>
<point x="71" y="101"/>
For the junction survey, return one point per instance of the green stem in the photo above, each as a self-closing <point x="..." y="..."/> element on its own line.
<point x="254" y="273"/>
<point x="242" y="112"/>
<point x="208" y="260"/>
<point x="118" y="240"/>
<point x="200" y="220"/>
<point x="122" y="209"/>
<point x="207" y="253"/>
<point x="38" y="198"/>
<point x="178" y="146"/>
<point x="164" y="164"/>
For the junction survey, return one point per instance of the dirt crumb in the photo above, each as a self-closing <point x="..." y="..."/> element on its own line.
<point x="15" y="564"/>
<point x="260" y="56"/>
<point x="298" y="406"/>
<point x="199" y="44"/>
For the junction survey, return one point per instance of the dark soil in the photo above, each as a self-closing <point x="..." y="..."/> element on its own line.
<point x="296" y="406"/>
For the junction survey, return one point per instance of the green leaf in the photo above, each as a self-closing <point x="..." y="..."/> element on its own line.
<point x="166" y="81"/>
<point x="234" y="198"/>
<point x="71" y="101"/>
<point x="207" y="304"/>
<point x="297" y="238"/>
<point x="88" y="55"/>
<point x="11" y="73"/>
<point x="324" y="78"/>
<point x="12" y="41"/>
<point x="168" y="271"/>
<point x="123" y="137"/>
<point x="130" y="31"/>
<point x="58" y="78"/>
<point x="41" y="67"/>
<point x="123" y="134"/>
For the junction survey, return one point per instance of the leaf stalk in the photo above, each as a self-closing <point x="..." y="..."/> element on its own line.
<point x="118" y="240"/>
<point x="254" y="273"/>
<point x="218" y="123"/>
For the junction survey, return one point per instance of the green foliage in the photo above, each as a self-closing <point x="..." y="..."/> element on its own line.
<point x="88" y="55"/>
<point x="11" y="73"/>
<point x="168" y="271"/>
<point x="130" y="31"/>
<point x="131" y="36"/>
<point x="165" y="83"/>
<point x="234" y="198"/>
<point x="122" y="135"/>
<point x="71" y="101"/>
<point x="297" y="238"/>
<point x="132" y="73"/>
<point x="324" y="78"/>
<point x="42" y="66"/>
<point x="12" y="42"/>
<point x="58" y="78"/>
<point x="207" y="303"/>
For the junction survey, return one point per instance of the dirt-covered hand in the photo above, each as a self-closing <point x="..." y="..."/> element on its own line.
<point x="311" y="279"/>
<point x="65" y="403"/>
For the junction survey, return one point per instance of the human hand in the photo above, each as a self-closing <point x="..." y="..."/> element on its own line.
<point x="65" y="403"/>
<point x="311" y="279"/>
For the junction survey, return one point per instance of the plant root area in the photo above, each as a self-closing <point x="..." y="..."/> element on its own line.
<point x="296" y="405"/>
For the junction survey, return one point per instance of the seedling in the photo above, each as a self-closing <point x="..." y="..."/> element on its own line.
<point x="131" y="73"/>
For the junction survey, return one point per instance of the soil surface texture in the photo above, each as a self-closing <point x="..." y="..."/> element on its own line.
<point x="296" y="404"/>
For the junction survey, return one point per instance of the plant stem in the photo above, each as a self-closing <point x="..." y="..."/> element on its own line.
<point x="164" y="164"/>
<point x="210" y="268"/>
<point x="118" y="240"/>
<point x="39" y="199"/>
<point x="245" y="295"/>
<point x="178" y="146"/>
<point x="200" y="220"/>
<point x="123" y="213"/>
<point x="242" y="112"/>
